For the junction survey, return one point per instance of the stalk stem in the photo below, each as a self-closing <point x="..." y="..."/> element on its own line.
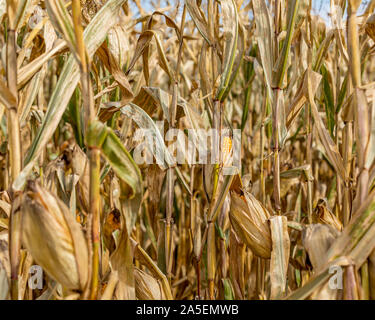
<point x="170" y="172"/>
<point x="94" y="194"/>
<point x="93" y="151"/>
<point x="15" y="156"/>
<point x="276" y="158"/>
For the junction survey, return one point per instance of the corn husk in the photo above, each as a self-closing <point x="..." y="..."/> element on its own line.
<point x="4" y="266"/>
<point x="54" y="238"/>
<point x="325" y="216"/>
<point x="317" y="239"/>
<point x="249" y="219"/>
<point x="147" y="287"/>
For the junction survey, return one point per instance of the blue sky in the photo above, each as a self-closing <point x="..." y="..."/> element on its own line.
<point x="321" y="7"/>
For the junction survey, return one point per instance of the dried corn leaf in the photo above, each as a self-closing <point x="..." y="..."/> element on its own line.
<point x="94" y="35"/>
<point x="279" y="256"/>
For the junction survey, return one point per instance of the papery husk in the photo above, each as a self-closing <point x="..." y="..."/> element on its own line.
<point x="54" y="238"/>
<point x="80" y="167"/>
<point x="4" y="251"/>
<point x="4" y="266"/>
<point x="370" y="27"/>
<point x="325" y="216"/>
<point x="147" y="287"/>
<point x="317" y="239"/>
<point x="249" y="219"/>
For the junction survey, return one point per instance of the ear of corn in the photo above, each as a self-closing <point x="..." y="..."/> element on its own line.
<point x="54" y="238"/>
<point x="249" y="219"/>
<point x="147" y="287"/>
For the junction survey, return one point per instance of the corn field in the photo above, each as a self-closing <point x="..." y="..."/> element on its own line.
<point x="283" y="209"/>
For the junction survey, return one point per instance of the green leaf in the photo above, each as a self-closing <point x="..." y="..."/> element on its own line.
<point x="281" y="64"/>
<point x="249" y="73"/>
<point x="230" y="29"/>
<point x="113" y="150"/>
<point x="323" y="50"/>
<point x="228" y="290"/>
<point x="237" y="61"/>
<point x="328" y="99"/>
<point x="62" y="21"/>
<point x="121" y="161"/>
<point x="264" y="35"/>
<point x="342" y="94"/>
